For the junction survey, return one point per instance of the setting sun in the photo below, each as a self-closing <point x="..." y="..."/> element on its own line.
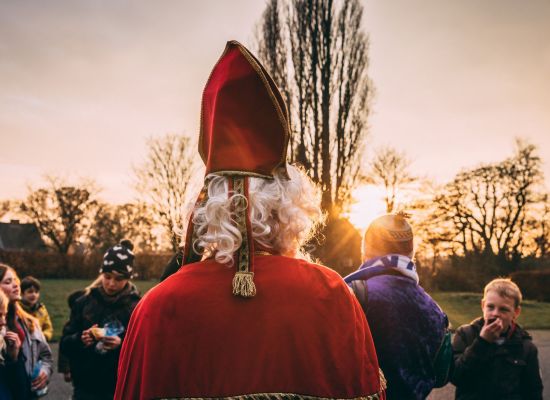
<point x="368" y="203"/>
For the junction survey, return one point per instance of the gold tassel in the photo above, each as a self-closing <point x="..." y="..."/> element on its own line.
<point x="243" y="284"/>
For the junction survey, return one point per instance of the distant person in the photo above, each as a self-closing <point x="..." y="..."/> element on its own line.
<point x="173" y="265"/>
<point x="63" y="363"/>
<point x="35" y="348"/>
<point x="248" y="317"/>
<point x="14" y="382"/>
<point x="494" y="357"/>
<point x="30" y="301"/>
<point x="93" y="336"/>
<point x="409" y="329"/>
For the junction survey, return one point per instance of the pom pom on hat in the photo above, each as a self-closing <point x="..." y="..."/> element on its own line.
<point x="119" y="259"/>
<point x="127" y="243"/>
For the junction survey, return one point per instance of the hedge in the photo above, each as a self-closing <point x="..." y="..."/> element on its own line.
<point x="77" y="266"/>
<point x="534" y="285"/>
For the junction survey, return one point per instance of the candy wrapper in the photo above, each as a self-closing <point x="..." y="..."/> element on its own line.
<point x="110" y="328"/>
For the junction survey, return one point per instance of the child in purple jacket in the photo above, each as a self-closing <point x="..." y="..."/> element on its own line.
<point x="409" y="329"/>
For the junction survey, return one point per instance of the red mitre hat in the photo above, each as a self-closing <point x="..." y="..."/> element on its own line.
<point x="244" y="120"/>
<point x="244" y="132"/>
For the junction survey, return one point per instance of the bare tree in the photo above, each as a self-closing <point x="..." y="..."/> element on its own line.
<point x="4" y="207"/>
<point x="390" y="168"/>
<point x="489" y="206"/>
<point x="164" y="178"/>
<point x="8" y="207"/>
<point x="60" y="211"/>
<point x="317" y="53"/>
<point x="539" y="224"/>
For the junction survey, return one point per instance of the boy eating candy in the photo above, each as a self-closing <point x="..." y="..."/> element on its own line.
<point x="494" y="358"/>
<point x="30" y="296"/>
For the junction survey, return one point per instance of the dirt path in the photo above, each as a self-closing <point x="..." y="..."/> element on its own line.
<point x="60" y="390"/>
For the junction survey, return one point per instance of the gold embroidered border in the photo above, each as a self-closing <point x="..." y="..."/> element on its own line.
<point x="241" y="173"/>
<point x="276" y="396"/>
<point x="240" y="217"/>
<point x="290" y="396"/>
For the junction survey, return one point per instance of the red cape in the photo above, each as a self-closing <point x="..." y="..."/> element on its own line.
<point x="303" y="333"/>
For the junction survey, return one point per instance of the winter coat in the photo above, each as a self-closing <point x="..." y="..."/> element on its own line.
<point x="40" y="312"/>
<point x="92" y="372"/>
<point x="63" y="365"/>
<point x="15" y="384"/>
<point x="484" y="370"/>
<point x="35" y="348"/>
<point x="408" y="329"/>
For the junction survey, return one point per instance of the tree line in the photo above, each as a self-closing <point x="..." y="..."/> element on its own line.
<point x="72" y="218"/>
<point x="495" y="215"/>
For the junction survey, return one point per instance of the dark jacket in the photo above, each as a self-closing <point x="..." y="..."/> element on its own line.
<point x="173" y="265"/>
<point x="484" y="370"/>
<point x="63" y="365"/>
<point x="14" y="381"/>
<point x="407" y="327"/>
<point x="92" y="372"/>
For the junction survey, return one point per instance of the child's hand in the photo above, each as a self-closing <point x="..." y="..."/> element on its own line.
<point x="13" y="344"/>
<point x="111" y="342"/>
<point x="491" y="330"/>
<point x="40" y="382"/>
<point x="87" y="337"/>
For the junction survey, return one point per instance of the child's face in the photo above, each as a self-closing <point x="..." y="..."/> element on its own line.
<point x="10" y="286"/>
<point x="495" y="306"/>
<point x="31" y="296"/>
<point x="113" y="283"/>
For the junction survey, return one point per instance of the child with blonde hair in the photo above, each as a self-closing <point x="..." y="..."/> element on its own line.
<point x="494" y="357"/>
<point x="14" y="382"/>
<point x="35" y="349"/>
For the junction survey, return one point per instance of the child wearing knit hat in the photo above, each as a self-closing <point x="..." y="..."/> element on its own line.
<point x="388" y="234"/>
<point x="93" y="336"/>
<point x="409" y="329"/>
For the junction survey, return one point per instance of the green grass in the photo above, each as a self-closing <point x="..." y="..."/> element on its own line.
<point x="464" y="307"/>
<point x="54" y="294"/>
<point x="460" y="307"/>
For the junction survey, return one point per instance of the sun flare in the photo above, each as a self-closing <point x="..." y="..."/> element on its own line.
<point x="367" y="204"/>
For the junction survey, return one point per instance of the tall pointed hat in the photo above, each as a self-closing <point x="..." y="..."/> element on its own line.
<point x="244" y="132"/>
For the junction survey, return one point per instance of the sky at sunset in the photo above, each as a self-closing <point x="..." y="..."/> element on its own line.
<point x="84" y="83"/>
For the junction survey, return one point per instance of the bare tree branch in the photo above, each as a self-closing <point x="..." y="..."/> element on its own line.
<point x="60" y="211"/>
<point x="317" y="53"/>
<point x="164" y="178"/>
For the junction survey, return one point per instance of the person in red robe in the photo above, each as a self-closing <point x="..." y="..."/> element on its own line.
<point x="247" y="316"/>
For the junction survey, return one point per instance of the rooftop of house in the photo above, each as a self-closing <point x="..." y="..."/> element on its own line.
<point x="17" y="236"/>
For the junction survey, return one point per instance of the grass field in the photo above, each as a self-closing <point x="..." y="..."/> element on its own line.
<point x="460" y="307"/>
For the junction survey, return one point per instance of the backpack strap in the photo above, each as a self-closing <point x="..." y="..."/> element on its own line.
<point x="443" y="361"/>
<point x="359" y="287"/>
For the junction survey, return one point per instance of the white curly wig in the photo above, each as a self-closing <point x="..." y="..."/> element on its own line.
<point x="284" y="214"/>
